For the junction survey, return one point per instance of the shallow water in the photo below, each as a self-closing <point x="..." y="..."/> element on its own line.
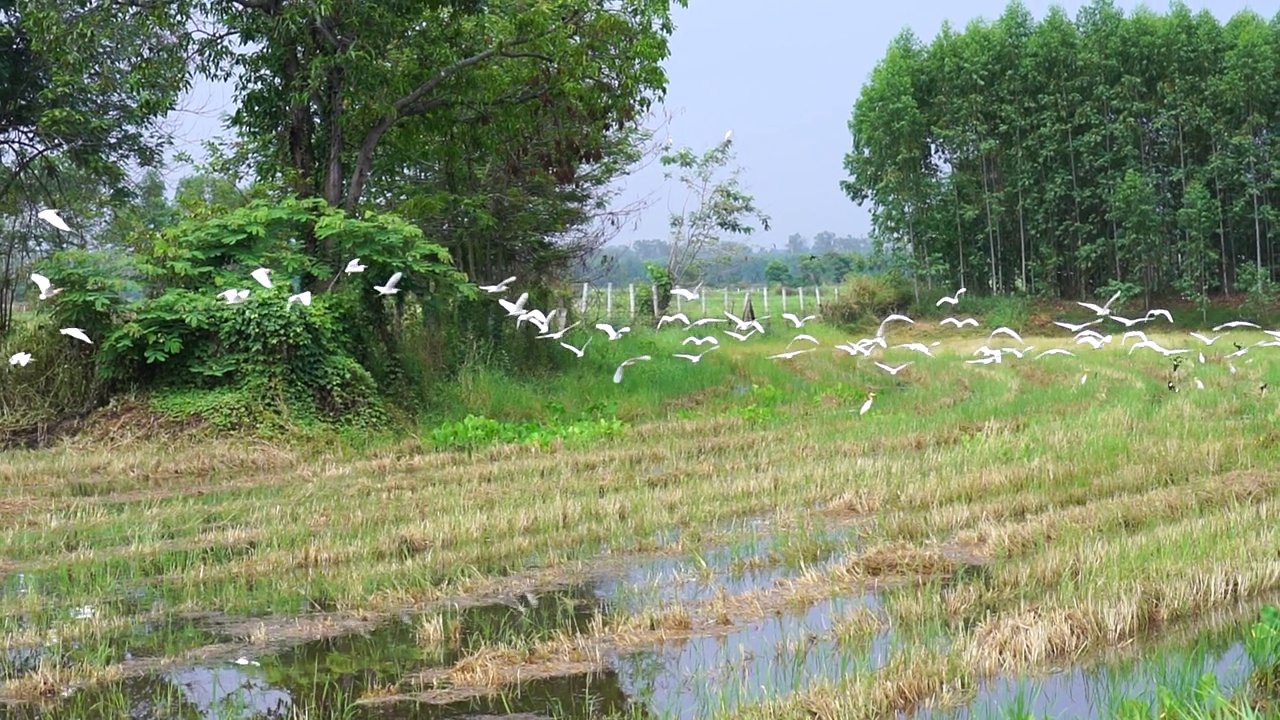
<point x="694" y="678"/>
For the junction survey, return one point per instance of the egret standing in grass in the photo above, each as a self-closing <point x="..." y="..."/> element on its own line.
<point x="871" y="397"/>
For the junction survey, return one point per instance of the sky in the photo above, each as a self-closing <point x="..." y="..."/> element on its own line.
<point x="784" y="81"/>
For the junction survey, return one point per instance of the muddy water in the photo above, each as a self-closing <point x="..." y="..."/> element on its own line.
<point x="351" y="676"/>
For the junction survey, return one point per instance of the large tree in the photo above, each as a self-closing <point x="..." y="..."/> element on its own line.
<point x="1055" y="155"/>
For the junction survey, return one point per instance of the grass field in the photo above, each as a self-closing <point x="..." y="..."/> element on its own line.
<point x="979" y="522"/>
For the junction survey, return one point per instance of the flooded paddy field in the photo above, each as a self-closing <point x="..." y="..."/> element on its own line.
<point x="989" y="543"/>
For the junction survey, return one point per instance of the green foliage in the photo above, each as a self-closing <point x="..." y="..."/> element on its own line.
<point x="474" y="432"/>
<point x="777" y="273"/>
<point x="1263" y="641"/>
<point x="865" y="297"/>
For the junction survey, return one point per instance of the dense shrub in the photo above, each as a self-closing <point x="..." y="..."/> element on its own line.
<point x="867" y="297"/>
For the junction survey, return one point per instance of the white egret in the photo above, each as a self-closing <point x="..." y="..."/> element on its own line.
<point x="1157" y="347"/>
<point x="951" y="300"/>
<point x="918" y="347"/>
<point x="390" y="288"/>
<point x="500" y="287"/>
<point x="744" y="324"/>
<point x="246" y="661"/>
<point x="1201" y="358"/>
<point x="233" y="296"/>
<point x="700" y="340"/>
<point x="707" y="321"/>
<point x="1203" y="339"/>
<point x="867" y="405"/>
<point x="737" y="336"/>
<point x="1234" y="324"/>
<point x="1105" y="309"/>
<point x="263" y="276"/>
<point x="1005" y="331"/>
<point x="617" y="374"/>
<point x="354" y="267"/>
<point x="613" y="334"/>
<point x="1134" y="333"/>
<point x="52" y="217"/>
<point x="1075" y="328"/>
<point x="892" y="318"/>
<point x="696" y="358"/>
<point x="805" y="337"/>
<point x="20" y="359"/>
<point x="1084" y="378"/>
<point x="1055" y="351"/>
<point x="673" y="318"/>
<point x="984" y="361"/>
<point x="514" y="309"/>
<point x="798" y="321"/>
<point x="728" y="137"/>
<point x="892" y="370"/>
<point x="1199" y="384"/>
<point x="302" y="297"/>
<point x="1128" y="322"/>
<point x="76" y="333"/>
<point x="789" y="355"/>
<point x="47" y="290"/>
<point x="557" y="334"/>
<point x="536" y="318"/>
<point x="959" y="323"/>
<point x="576" y="350"/>
<point x="1161" y="312"/>
<point x="688" y="295"/>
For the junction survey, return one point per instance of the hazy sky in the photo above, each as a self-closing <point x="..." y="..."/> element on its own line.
<point x="783" y="81"/>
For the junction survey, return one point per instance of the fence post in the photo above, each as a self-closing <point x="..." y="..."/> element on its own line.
<point x="631" y="300"/>
<point x="800" y="290"/>
<point x="703" y="296"/>
<point x="608" y="303"/>
<point x="836" y="290"/>
<point x="679" y="303"/>
<point x="784" y="298"/>
<point x="817" y="298"/>
<point x="584" y="301"/>
<point x="765" y="296"/>
<point x="727" y="307"/>
<point x="653" y="293"/>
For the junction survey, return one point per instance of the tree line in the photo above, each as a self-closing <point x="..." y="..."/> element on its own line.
<point x="1070" y="156"/>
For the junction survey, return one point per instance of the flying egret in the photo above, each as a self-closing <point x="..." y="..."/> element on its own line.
<point x="1055" y="351"/>
<point x="1127" y="322"/>
<point x="744" y="324"/>
<point x="76" y="333"/>
<point x="576" y="350"/>
<point x="803" y="336"/>
<point x="706" y="321"/>
<point x="700" y="340"/>
<point x="728" y="137"/>
<point x="47" y="290"/>
<point x="354" y="267"/>
<point x="867" y="405"/>
<point x="20" y="359"/>
<point x="1105" y="309"/>
<point x="789" y="355"/>
<point x="500" y="287"/>
<point x="302" y="297"/>
<point x="739" y="337"/>
<point x="797" y="321"/>
<point x="52" y="217"/>
<point x="534" y="317"/>
<point x="617" y="374"/>
<point x="984" y="361"/>
<point x="696" y="358"/>
<point x="688" y="295"/>
<point x="1157" y="347"/>
<point x="672" y="318"/>
<point x="892" y="370"/>
<point x="892" y="318"/>
<point x="1134" y="333"/>
<point x="233" y="296"/>
<point x="1075" y="328"/>
<point x="557" y="334"/>
<point x="613" y="334"/>
<point x="959" y="323"/>
<point x="1234" y="324"/>
<point x="390" y="288"/>
<point x="1005" y="331"/>
<point x="918" y="347"/>
<point x="1203" y="339"/>
<point x="852" y="349"/>
<point x="514" y="309"/>
<point x="951" y="300"/>
<point x="1159" y="312"/>
<point x="263" y="276"/>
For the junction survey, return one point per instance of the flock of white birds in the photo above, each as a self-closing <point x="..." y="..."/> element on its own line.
<point x="742" y="330"/>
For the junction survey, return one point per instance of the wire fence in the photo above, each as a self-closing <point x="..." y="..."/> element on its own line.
<point x="635" y="301"/>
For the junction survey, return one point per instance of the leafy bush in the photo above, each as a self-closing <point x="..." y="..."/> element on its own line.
<point x="864" y="297"/>
<point x="474" y="432"/>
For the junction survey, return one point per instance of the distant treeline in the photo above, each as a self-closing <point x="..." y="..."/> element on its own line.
<point x="824" y="259"/>
<point x="1063" y="155"/>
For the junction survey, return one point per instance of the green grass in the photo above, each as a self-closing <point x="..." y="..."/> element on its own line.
<point x="1103" y="511"/>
